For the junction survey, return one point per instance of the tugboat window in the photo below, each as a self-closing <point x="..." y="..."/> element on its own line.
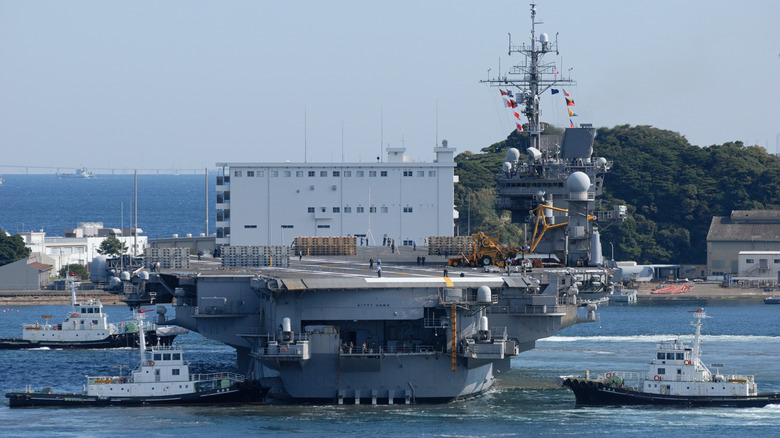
<point x="680" y="356"/>
<point x="661" y="356"/>
<point x="670" y="356"/>
<point x="661" y="370"/>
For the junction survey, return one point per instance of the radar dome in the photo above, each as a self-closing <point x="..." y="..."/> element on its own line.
<point x="578" y="182"/>
<point x="602" y="162"/>
<point x="544" y="38"/>
<point x="512" y="155"/>
<point x="97" y="270"/>
<point x="507" y="166"/>
<point x="535" y="154"/>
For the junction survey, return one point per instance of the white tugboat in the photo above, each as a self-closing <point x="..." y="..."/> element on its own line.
<point x="161" y="378"/>
<point x="86" y="326"/>
<point x="677" y="376"/>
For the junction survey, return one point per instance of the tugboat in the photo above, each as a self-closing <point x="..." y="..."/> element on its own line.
<point x="86" y="326"/>
<point x="161" y="378"/>
<point x="677" y="377"/>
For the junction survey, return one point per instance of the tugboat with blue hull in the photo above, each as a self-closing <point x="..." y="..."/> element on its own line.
<point x="677" y="377"/>
<point x="86" y="326"/>
<point x="161" y="378"/>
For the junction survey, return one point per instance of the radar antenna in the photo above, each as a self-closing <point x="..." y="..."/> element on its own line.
<point x="533" y="77"/>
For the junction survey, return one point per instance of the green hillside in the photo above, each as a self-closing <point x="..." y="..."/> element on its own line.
<point x="672" y="190"/>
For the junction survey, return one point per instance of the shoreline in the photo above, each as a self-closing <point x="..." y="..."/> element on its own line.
<point x="54" y="297"/>
<point x="703" y="291"/>
<point x="700" y="291"/>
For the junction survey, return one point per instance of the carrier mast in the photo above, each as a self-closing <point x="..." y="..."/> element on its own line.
<point x="532" y="78"/>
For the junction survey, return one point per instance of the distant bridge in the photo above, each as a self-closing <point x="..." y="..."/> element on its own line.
<point x="20" y="169"/>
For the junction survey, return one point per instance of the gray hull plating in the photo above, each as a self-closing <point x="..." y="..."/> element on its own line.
<point x="420" y="377"/>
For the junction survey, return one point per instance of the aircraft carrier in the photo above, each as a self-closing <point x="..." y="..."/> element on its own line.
<point x="331" y="329"/>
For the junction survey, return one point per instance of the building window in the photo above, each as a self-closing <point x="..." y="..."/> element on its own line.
<point x="287" y="174"/>
<point x="407" y="209"/>
<point x="383" y="173"/>
<point x="777" y="261"/>
<point x="311" y="209"/>
<point x="372" y="209"/>
<point x="175" y="372"/>
<point x="336" y="173"/>
<point x="420" y="173"/>
<point x="250" y="226"/>
<point x="323" y="173"/>
<point x="431" y="173"/>
<point x="299" y="173"/>
<point x="372" y="173"/>
<point x="237" y="173"/>
<point x="408" y="173"/>
<point x="347" y="173"/>
<point x="347" y="209"/>
<point x="750" y="261"/>
<point x="336" y="209"/>
<point x="312" y="173"/>
<point x="260" y="173"/>
<point x="250" y="173"/>
<point x="359" y="174"/>
<point x="384" y="210"/>
<point x="323" y="226"/>
<point x="274" y="173"/>
<point x="360" y="210"/>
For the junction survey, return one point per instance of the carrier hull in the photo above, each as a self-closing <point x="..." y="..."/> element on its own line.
<point x="388" y="378"/>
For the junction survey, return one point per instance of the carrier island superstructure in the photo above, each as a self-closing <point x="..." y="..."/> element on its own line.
<point x="332" y="329"/>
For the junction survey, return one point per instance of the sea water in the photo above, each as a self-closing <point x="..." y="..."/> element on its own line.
<point x="167" y="204"/>
<point x="526" y="401"/>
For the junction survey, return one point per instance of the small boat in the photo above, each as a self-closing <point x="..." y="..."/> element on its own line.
<point x="86" y="326"/>
<point x="82" y="173"/>
<point x="677" y="377"/>
<point x="772" y="300"/>
<point x="623" y="296"/>
<point x="161" y="378"/>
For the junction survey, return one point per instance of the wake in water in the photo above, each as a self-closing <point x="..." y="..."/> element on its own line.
<point x="654" y="339"/>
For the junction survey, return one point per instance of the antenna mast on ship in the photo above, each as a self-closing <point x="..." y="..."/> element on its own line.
<point x="532" y="78"/>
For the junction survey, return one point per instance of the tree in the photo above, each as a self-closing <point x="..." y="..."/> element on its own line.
<point x="74" y="269"/>
<point x="12" y="248"/>
<point x="112" y="246"/>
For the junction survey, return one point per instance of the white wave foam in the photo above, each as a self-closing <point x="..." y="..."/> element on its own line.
<point x="660" y="338"/>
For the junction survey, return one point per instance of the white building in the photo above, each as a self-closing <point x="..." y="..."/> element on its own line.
<point x="758" y="266"/>
<point x="272" y="203"/>
<point x="80" y="245"/>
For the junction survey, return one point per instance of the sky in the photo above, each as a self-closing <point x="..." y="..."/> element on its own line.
<point x="187" y="84"/>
